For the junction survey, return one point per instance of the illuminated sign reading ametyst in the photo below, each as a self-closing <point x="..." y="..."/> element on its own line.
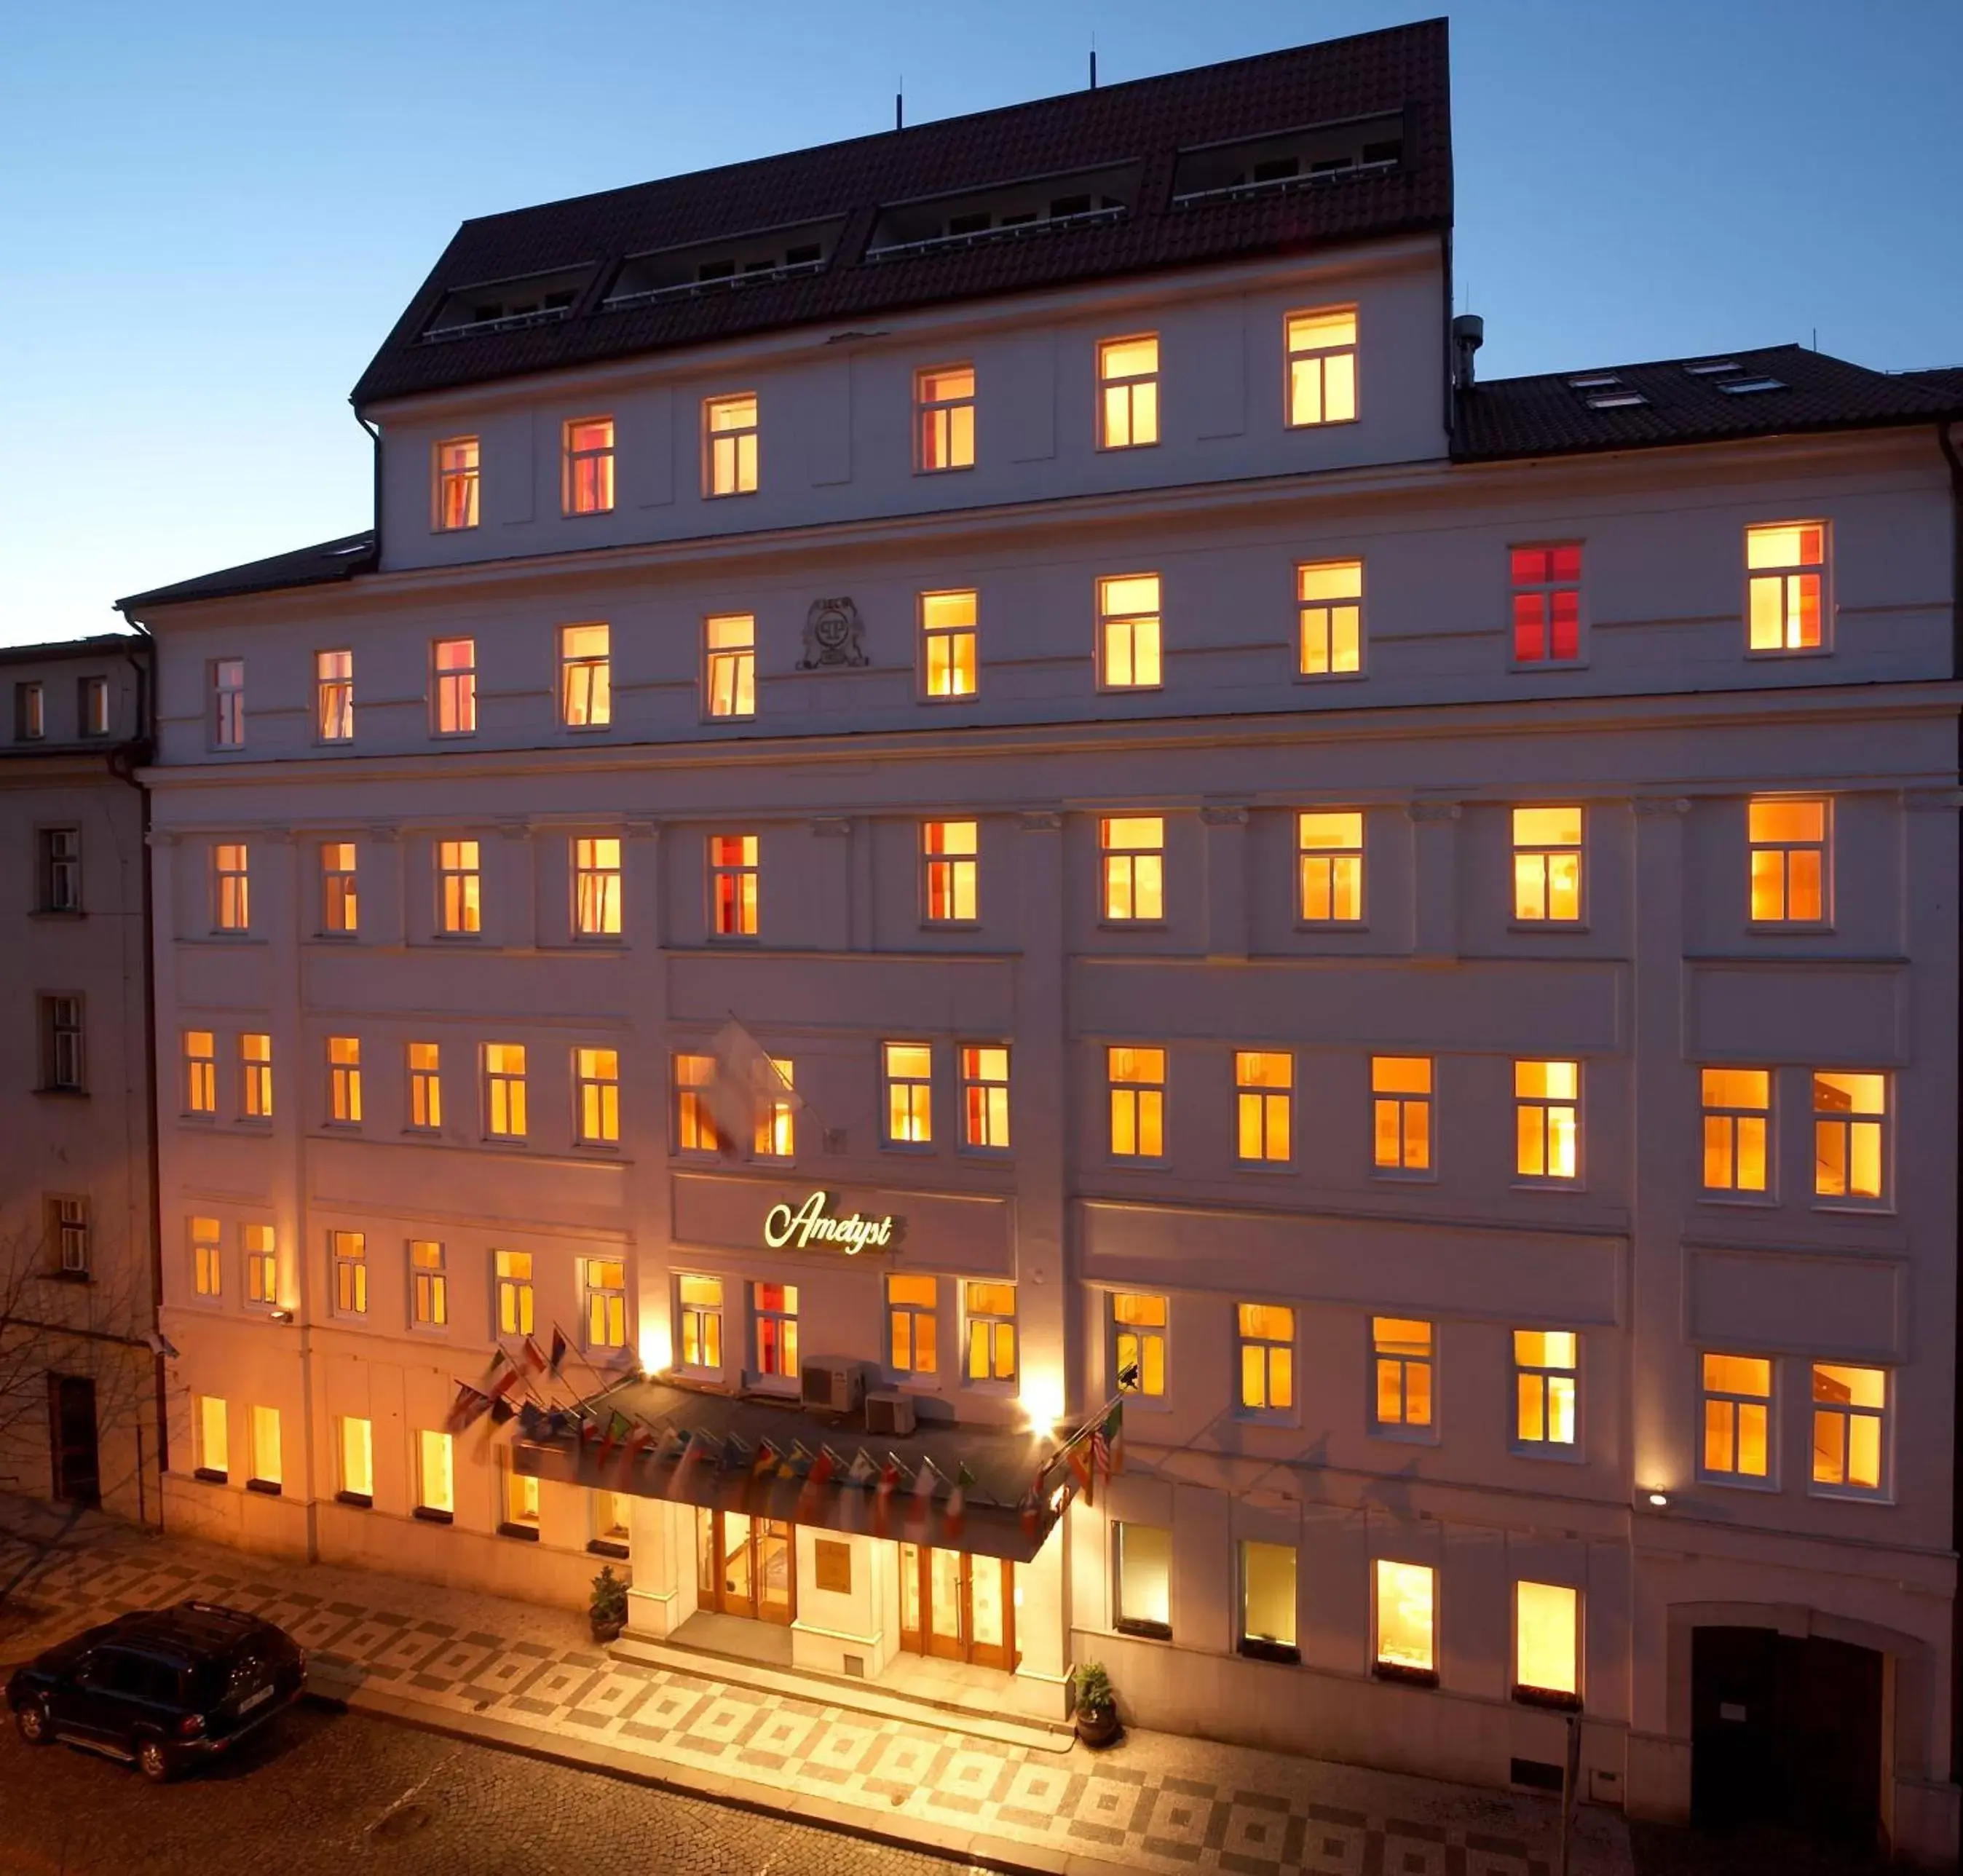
<point x="809" y="1224"/>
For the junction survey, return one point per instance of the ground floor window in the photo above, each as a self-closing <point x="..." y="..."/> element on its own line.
<point x="1267" y="1601"/>
<point x="267" y="1472"/>
<point x="1405" y="1605"/>
<point x="520" y="1509"/>
<point x="436" y="1490"/>
<point x="1143" y="1566"/>
<point x="958" y="1607"/>
<point x="213" y="1444"/>
<point x="612" y="1514"/>
<point x="357" y="1459"/>
<point x="745" y="1565"/>
<point x="1546" y="1641"/>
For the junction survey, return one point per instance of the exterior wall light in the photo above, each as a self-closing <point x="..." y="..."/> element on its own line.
<point x="279" y="1315"/>
<point x="1660" y="1500"/>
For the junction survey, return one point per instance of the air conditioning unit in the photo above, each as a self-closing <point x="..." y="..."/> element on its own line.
<point x="835" y="1387"/>
<point x="889" y="1413"/>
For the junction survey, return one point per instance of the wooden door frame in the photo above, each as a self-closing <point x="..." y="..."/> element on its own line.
<point x="965" y="1648"/>
<point x="710" y="1598"/>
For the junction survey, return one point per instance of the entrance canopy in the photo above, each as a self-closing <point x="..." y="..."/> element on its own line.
<point x="961" y="1488"/>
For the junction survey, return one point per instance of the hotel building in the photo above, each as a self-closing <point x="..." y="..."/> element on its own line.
<point x="1406" y="927"/>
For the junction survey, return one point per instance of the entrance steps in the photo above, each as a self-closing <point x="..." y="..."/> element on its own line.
<point x="978" y="1715"/>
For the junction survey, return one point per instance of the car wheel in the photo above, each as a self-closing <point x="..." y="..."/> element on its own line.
<point x="154" y="1761"/>
<point x="34" y="1725"/>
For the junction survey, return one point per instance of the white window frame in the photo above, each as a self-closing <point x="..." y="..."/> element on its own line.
<point x="228" y="704"/>
<point x="334" y="697"/>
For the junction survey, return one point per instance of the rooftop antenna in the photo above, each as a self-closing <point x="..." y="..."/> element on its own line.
<point x="1094" y="61"/>
<point x="900" y="109"/>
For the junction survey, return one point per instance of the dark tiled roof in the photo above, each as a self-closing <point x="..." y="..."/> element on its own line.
<point x="1549" y="415"/>
<point x="304" y="566"/>
<point x="100" y="644"/>
<point x="1947" y="378"/>
<point x="1146" y="122"/>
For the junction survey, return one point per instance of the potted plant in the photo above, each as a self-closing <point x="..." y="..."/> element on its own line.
<point x="1094" y="1704"/>
<point x="608" y="1610"/>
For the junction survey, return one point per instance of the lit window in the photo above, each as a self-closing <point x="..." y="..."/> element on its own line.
<point x="1547" y="1114"/>
<point x="1547" y="1639"/>
<point x="1322" y="367"/>
<point x="214" y="1444"/>
<point x="1406" y="1608"/>
<point x="699" y="1308"/>
<point x="1267" y="1599"/>
<point x="62" y="1043"/>
<point x="729" y="456"/>
<point x="1849" y="1126"/>
<point x="1127" y="382"/>
<point x="1329" y="597"/>
<point x="200" y="1057"/>
<point x="947" y="642"/>
<point x="612" y="1514"/>
<point x="913" y="1331"/>
<point x="1401" y="1113"/>
<point x="231" y="882"/>
<point x="984" y="1097"/>
<point x="1737" y="1416"/>
<point x="504" y="1090"/>
<point x="1785" y="569"/>
<point x="596" y="887"/>
<point x="1262" y="1082"/>
<point x="944" y="399"/>
<point x="990" y="1310"/>
<point x="589" y="465"/>
<point x="1133" y="851"/>
<point x="1142" y="1555"/>
<point x="596" y="1085"/>
<point x="435" y="1488"/>
<point x="426" y="1086"/>
<point x="602" y="1283"/>
<point x="1544" y="1386"/>
<point x="60" y="869"/>
<point x="357" y="1458"/>
<point x="775" y="1306"/>
<point x="1401" y="1353"/>
<point x="339" y="903"/>
<point x="695" y="1125"/>
<point x="334" y="697"/>
<point x="909" y="1074"/>
<point x="265" y="1429"/>
<point x="31" y="721"/>
<point x="68" y="1231"/>
<point x="586" y="675"/>
<point x="349" y="1252"/>
<point x="521" y="1497"/>
<point x="948" y="851"/>
<point x="94" y="706"/>
<point x="1788" y="839"/>
<point x="776" y="1108"/>
<point x="1330" y="854"/>
<point x="1737" y="1129"/>
<point x="459" y="888"/>
<point x="1848" y="1406"/>
<point x="511" y="1278"/>
<point x="228" y="704"/>
<point x="1139" y="1343"/>
<point x="1137" y="1077"/>
<point x="1128" y="632"/>
<point x="1266" y="1337"/>
<point x="454" y="662"/>
<point x="732" y="884"/>
<point x="457" y="468"/>
<point x="729" y="664"/>
<point x="262" y="1266"/>
<point x="344" y="1079"/>
<point x="1547" y="604"/>
<point x="1547" y="865"/>
<point x="207" y="1259"/>
<point x="429" y="1284"/>
<point x="255" y="1077"/>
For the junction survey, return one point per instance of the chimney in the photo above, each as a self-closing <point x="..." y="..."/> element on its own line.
<point x="1468" y="333"/>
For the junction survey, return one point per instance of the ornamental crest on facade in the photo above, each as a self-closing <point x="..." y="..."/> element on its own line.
<point x="832" y="630"/>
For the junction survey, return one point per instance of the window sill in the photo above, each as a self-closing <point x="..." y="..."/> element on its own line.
<point x="1855" y="1208"/>
<point x="1326" y="423"/>
<point x="58" y="915"/>
<point x="1324" y="927"/>
<point x="1146" y="1631"/>
<point x="1409" y="1676"/>
<point x="1134" y="924"/>
<point x="1407" y="1436"/>
<point x="606" y="1547"/>
<point x="1330" y="677"/>
<point x="1544" y="1697"/>
<point x="361" y="1501"/>
<point x="211" y="1475"/>
<point x="63" y="1094"/>
<point x="1556" y="927"/>
<point x="1277" y="1651"/>
<point x="71" y="1277"/>
<point x="1542" y="666"/>
<point x="1848" y="1495"/>
<point x="1549" y="1185"/>
<point x="1404" y="1176"/>
<point x="198" y="1119"/>
<point x="525" y="1533"/>
<point x="950" y="924"/>
<point x="1261" y="1416"/>
<point x="335" y="937"/>
<point x="1565" y="1455"/>
<point x="1739" y="1482"/>
<point x="1788" y="928"/>
<point x="1271" y="1168"/>
<point x="268" y="1487"/>
<point x="1755" y="1201"/>
<point x="429" y="1515"/>
<point x="1774" y="653"/>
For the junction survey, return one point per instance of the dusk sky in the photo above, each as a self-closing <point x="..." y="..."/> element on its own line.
<point x="213" y="213"/>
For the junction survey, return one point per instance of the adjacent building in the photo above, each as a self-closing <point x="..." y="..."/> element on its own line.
<point x="79" y="1399"/>
<point x="1005" y="681"/>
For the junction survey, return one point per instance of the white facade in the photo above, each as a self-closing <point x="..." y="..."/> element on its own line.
<point x="1661" y="734"/>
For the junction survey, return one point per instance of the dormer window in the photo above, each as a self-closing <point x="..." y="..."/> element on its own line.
<point x="589" y="465"/>
<point x="507" y="305"/>
<point x="1285" y="160"/>
<point x="1009" y="212"/>
<point x="730" y="264"/>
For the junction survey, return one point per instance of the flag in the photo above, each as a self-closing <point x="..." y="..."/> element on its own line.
<point x="1112" y="1434"/>
<point x="559" y="1346"/>
<point x="827" y="1463"/>
<point x="745" y="1081"/>
<point x="735" y="1455"/>
<point x="618" y="1427"/>
<point x="1029" y="1506"/>
<point x="470" y="1405"/>
<point x="768" y="1453"/>
<point x="956" y="1513"/>
<point x="638" y="1442"/>
<point x="1077" y="1456"/>
<point x="535" y="1356"/>
<point x="502" y="1376"/>
<point x="862" y="1471"/>
<point x="921" y="1498"/>
<point x="502" y="1410"/>
<point x="797" y="1463"/>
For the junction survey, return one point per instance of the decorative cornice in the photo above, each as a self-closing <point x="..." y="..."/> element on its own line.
<point x="385" y="833"/>
<point x="642" y="829"/>
<point x="1655" y="807"/>
<point x="831" y="826"/>
<point x="1225" y="814"/>
<point x="1930" y="801"/>
<point x="1427" y="812"/>
<point x="1040" y="821"/>
<point x="520" y="829"/>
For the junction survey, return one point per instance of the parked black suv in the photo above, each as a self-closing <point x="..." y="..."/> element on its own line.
<point x="163" y="1687"/>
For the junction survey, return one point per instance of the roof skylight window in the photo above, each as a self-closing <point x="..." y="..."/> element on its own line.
<point x="1619" y="400"/>
<point x="1743" y="387"/>
<point x="1593" y="381"/>
<point x="1712" y="367"/>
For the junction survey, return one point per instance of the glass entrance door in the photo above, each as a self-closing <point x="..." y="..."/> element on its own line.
<point x="958" y="1607"/>
<point x="745" y="1565"/>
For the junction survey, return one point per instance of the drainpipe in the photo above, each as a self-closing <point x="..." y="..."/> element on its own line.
<point x="1947" y="444"/>
<point x="122" y="762"/>
<point x="375" y="438"/>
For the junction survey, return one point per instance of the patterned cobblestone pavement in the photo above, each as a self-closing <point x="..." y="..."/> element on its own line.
<point x="514" y="1674"/>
